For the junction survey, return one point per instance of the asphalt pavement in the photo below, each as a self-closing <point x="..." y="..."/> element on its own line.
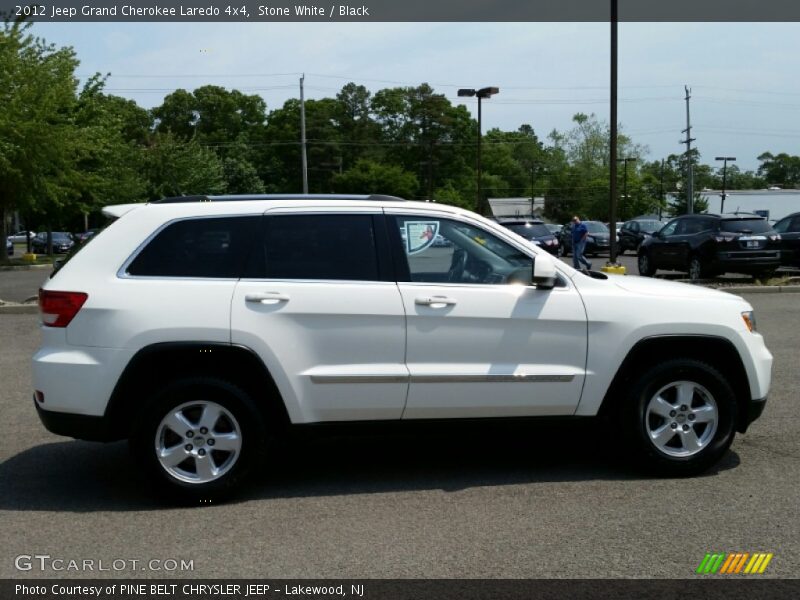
<point x="542" y="502"/>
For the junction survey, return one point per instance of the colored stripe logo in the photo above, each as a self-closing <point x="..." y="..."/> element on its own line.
<point x="733" y="563"/>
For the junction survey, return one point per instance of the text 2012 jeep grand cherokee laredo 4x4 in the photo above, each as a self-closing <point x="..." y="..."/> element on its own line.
<point x="198" y="327"/>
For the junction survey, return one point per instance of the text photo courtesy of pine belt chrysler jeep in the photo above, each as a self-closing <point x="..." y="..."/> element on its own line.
<point x="202" y="328"/>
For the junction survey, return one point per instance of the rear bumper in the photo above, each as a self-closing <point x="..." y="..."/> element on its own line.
<point x="81" y="427"/>
<point x="747" y="261"/>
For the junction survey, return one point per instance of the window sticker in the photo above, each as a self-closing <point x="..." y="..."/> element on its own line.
<point x="420" y="235"/>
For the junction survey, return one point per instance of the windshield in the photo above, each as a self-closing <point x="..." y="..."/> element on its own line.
<point x="528" y="230"/>
<point x="746" y="226"/>
<point x="595" y="227"/>
<point x="649" y="226"/>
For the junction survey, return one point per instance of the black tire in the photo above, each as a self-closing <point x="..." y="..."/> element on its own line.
<point x="696" y="269"/>
<point x="645" y="265"/>
<point x="194" y="393"/>
<point x="562" y="250"/>
<point x="637" y="425"/>
<point x="766" y="274"/>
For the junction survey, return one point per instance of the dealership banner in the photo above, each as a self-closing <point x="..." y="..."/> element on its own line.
<point x="400" y="11"/>
<point x="396" y="589"/>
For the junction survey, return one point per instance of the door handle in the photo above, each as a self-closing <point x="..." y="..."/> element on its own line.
<point x="435" y="301"/>
<point x="266" y="297"/>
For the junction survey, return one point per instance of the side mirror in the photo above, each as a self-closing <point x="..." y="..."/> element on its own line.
<point x="544" y="273"/>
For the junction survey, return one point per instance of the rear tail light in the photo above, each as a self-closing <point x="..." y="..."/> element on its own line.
<point x="59" y="308"/>
<point x="725" y="237"/>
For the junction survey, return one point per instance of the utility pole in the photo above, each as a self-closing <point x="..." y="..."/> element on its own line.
<point x="725" y="160"/>
<point x="625" y="176"/>
<point x="661" y="190"/>
<point x="612" y="255"/>
<point x="532" y="194"/>
<point x="303" y="135"/>
<point x="689" y="162"/>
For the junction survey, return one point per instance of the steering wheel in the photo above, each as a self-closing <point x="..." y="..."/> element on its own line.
<point x="457" y="266"/>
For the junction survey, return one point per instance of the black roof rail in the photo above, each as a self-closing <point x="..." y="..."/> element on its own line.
<point x="251" y="197"/>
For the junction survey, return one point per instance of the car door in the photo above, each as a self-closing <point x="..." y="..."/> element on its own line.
<point x="320" y="306"/>
<point x="789" y="230"/>
<point x="482" y="341"/>
<point x="662" y="253"/>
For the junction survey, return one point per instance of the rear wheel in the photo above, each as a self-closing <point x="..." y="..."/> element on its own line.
<point x="679" y="417"/>
<point x="645" y="265"/>
<point x="198" y="439"/>
<point x="697" y="270"/>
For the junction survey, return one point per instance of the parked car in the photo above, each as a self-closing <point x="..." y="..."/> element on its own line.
<point x="534" y="231"/>
<point x="554" y="228"/>
<point x="599" y="239"/>
<point x="203" y="330"/>
<point x="82" y="237"/>
<point x="633" y="232"/>
<point x="789" y="230"/>
<point x="62" y="242"/>
<point x="9" y="247"/>
<point x="705" y="245"/>
<point x="20" y="237"/>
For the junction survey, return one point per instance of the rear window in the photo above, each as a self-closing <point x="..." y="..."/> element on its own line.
<point x="215" y="247"/>
<point x="746" y="226"/>
<point x="530" y="230"/>
<point x="595" y="227"/>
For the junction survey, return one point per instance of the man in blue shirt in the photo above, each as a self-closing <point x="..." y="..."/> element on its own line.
<point x="579" y="235"/>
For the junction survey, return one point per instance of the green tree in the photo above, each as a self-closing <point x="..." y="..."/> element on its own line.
<point x="368" y="177"/>
<point x="37" y="137"/>
<point x="176" y="168"/>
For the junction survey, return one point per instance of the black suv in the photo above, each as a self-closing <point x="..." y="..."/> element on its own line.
<point x="789" y="229"/>
<point x="706" y="245"/>
<point x="598" y="240"/>
<point x="634" y="232"/>
<point x="535" y="231"/>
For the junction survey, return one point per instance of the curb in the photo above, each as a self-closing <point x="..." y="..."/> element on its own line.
<point x="19" y="309"/>
<point x="25" y="267"/>
<point x="760" y="289"/>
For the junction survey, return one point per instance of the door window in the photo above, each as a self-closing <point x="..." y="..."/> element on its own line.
<point x="669" y="228"/>
<point x="445" y="251"/>
<point x="317" y="247"/>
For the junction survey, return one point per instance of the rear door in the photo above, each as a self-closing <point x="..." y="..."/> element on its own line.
<point x="789" y="229"/>
<point x="320" y="306"/>
<point x="482" y="343"/>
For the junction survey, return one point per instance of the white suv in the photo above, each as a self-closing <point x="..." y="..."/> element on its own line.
<point x="202" y="327"/>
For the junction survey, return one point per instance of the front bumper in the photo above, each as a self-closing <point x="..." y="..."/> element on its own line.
<point x="753" y="411"/>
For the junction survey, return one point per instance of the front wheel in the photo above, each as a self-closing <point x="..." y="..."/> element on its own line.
<point x="198" y="439"/>
<point x="646" y="268"/>
<point x="697" y="270"/>
<point x="679" y="417"/>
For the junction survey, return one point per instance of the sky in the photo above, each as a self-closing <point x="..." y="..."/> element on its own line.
<point x="743" y="76"/>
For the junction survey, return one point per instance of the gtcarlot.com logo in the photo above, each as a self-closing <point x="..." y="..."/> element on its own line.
<point x="734" y="563"/>
<point x="45" y="562"/>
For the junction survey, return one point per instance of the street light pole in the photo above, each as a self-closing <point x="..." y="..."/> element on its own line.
<point x="625" y="174"/>
<point x="482" y="93"/>
<point x="725" y="160"/>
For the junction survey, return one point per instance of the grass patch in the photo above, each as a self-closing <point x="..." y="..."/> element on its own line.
<point x="17" y="261"/>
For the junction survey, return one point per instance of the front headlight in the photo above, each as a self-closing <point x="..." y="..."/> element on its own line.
<point x="749" y="318"/>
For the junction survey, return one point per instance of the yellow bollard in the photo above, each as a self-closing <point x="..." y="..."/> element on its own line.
<point x="29" y="257"/>
<point x="616" y="269"/>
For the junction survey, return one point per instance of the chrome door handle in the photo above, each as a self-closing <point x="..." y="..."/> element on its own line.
<point x="266" y="297"/>
<point x="435" y="301"/>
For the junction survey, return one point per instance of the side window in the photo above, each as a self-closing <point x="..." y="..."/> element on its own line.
<point x="319" y="246"/>
<point x="209" y="247"/>
<point x="670" y="228"/>
<point x="634" y="226"/>
<point x="445" y="251"/>
<point x="782" y="226"/>
<point x="795" y="225"/>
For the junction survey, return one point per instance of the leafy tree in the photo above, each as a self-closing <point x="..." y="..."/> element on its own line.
<point x="781" y="169"/>
<point x="368" y="177"/>
<point x="176" y="168"/>
<point x="37" y="96"/>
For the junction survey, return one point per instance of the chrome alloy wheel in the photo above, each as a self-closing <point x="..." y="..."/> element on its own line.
<point x="681" y="418"/>
<point x="198" y="442"/>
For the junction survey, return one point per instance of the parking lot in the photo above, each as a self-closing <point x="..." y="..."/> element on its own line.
<point x="546" y="501"/>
